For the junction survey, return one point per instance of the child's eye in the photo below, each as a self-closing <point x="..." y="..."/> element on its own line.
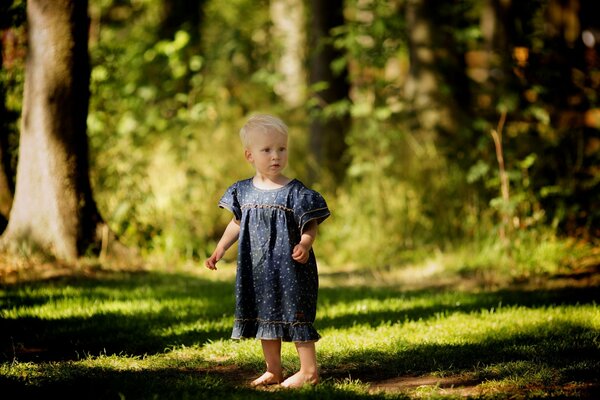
<point x="282" y="149"/>
<point x="266" y="150"/>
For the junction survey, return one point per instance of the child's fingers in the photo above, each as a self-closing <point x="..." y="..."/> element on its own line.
<point x="210" y="264"/>
<point x="300" y="255"/>
<point x="296" y="252"/>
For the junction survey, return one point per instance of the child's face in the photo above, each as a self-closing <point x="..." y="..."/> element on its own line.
<point x="267" y="151"/>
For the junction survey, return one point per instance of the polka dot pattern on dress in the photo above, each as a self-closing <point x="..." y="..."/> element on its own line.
<point x="276" y="297"/>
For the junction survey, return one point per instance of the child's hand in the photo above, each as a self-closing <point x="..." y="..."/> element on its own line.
<point x="211" y="262"/>
<point x="301" y="253"/>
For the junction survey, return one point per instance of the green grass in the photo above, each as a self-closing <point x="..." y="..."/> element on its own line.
<point x="165" y="335"/>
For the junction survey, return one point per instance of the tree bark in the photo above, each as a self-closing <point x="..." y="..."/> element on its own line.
<point x="495" y="26"/>
<point x="327" y="134"/>
<point x="288" y="28"/>
<point x="437" y="84"/>
<point x="53" y="207"/>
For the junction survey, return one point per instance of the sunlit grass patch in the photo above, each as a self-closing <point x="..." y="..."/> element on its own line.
<point x="167" y="334"/>
<point x="142" y="313"/>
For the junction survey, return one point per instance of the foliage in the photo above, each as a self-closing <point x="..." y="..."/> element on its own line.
<point x="166" y="106"/>
<point x="162" y="142"/>
<point x="417" y="188"/>
<point x="12" y="60"/>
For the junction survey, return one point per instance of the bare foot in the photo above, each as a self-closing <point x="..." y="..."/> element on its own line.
<point x="300" y="379"/>
<point x="268" y="378"/>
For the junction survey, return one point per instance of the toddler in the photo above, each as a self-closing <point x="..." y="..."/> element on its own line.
<point x="275" y="219"/>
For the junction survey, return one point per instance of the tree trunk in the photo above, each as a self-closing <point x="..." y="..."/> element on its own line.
<point x="327" y="134"/>
<point x="53" y="206"/>
<point x="437" y="85"/>
<point x="495" y="26"/>
<point x="288" y="28"/>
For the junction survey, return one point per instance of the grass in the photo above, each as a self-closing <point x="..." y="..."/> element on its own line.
<point x="414" y="332"/>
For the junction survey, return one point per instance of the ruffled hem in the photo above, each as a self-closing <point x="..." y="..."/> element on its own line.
<point x="264" y="330"/>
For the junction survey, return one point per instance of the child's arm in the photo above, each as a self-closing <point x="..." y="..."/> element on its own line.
<point x="230" y="236"/>
<point x="302" y="249"/>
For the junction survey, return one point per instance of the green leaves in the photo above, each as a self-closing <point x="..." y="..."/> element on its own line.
<point x="478" y="171"/>
<point x="167" y="108"/>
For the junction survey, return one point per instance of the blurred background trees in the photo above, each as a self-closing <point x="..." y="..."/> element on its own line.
<point x="12" y="54"/>
<point x="391" y="106"/>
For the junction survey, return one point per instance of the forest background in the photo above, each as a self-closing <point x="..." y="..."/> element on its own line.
<point x="431" y="127"/>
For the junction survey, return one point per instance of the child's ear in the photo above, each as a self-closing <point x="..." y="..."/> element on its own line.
<point x="248" y="155"/>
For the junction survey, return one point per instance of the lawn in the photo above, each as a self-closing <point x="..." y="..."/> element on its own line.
<point x="411" y="332"/>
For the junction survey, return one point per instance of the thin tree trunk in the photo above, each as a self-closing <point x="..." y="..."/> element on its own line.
<point x="327" y="134"/>
<point x="288" y="28"/>
<point x="437" y="84"/>
<point x="504" y="185"/>
<point x="53" y="206"/>
<point x="495" y="26"/>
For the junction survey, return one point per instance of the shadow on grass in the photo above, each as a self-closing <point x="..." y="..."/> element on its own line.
<point x="570" y="350"/>
<point x="443" y="303"/>
<point x="136" y="314"/>
<point x="550" y="360"/>
<point x="524" y="354"/>
<point x="162" y="310"/>
<point x="96" y="383"/>
<point x="569" y="347"/>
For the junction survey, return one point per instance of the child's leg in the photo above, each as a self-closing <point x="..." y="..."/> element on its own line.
<point x="308" y="366"/>
<point x="274" y="374"/>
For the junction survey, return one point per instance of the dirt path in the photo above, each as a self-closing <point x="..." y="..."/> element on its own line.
<point x="466" y="386"/>
<point x="452" y="385"/>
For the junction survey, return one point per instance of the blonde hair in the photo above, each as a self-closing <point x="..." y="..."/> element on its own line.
<point x="262" y="123"/>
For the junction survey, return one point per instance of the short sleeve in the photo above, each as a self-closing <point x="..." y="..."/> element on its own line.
<point x="230" y="201"/>
<point x="310" y="206"/>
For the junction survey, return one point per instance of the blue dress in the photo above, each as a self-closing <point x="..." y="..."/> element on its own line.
<point x="276" y="297"/>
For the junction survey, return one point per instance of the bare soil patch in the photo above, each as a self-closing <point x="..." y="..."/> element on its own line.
<point x="461" y="385"/>
<point x="466" y="386"/>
